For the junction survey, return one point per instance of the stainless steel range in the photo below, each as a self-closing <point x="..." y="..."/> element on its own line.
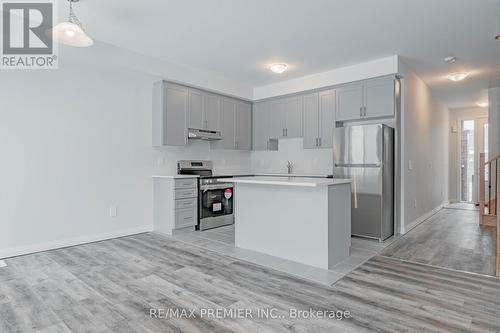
<point x="215" y="198"/>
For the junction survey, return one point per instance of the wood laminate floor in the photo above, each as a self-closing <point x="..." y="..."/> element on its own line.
<point x="452" y="238"/>
<point x="111" y="286"/>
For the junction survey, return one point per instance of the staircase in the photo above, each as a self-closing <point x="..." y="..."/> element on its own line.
<point x="489" y="172"/>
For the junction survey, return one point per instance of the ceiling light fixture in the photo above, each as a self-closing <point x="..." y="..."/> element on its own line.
<point x="482" y="104"/>
<point x="278" y="68"/>
<point x="457" y="76"/>
<point x="450" y="60"/>
<point x="497" y="37"/>
<point x="71" y="32"/>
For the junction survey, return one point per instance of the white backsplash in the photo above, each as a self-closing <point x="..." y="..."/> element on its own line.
<point x="225" y="161"/>
<point x="305" y="161"/>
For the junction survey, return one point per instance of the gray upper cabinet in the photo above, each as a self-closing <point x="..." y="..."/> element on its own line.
<point x="228" y="118"/>
<point x="311" y="120"/>
<point x="326" y="118"/>
<point x="243" y="126"/>
<point x="170" y="114"/>
<point x="350" y="102"/>
<point x="211" y="114"/>
<point x="196" y="101"/>
<point x="204" y="110"/>
<point x="276" y="119"/>
<point x="319" y="119"/>
<point x="260" y="118"/>
<point x="379" y="97"/>
<point x="236" y="124"/>
<point x="372" y="98"/>
<point x="285" y="117"/>
<point x="293" y="117"/>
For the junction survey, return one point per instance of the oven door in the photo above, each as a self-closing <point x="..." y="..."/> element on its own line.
<point x="216" y="205"/>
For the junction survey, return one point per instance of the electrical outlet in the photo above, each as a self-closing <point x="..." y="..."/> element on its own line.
<point x="113" y="211"/>
<point x="415" y="203"/>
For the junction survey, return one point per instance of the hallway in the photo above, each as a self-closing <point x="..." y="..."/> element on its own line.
<point x="452" y="238"/>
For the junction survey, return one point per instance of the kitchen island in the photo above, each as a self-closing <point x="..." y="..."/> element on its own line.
<point x="307" y="220"/>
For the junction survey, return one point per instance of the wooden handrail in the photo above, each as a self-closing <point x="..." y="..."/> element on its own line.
<point x="492" y="159"/>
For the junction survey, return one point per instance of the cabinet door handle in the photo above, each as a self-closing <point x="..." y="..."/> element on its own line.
<point x="364" y="111"/>
<point x="320" y="142"/>
<point x="316" y="142"/>
<point x="286" y="131"/>
<point x="361" y="111"/>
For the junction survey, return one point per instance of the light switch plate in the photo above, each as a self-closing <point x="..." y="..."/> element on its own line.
<point x="3" y="264"/>
<point x="113" y="211"/>
<point x="410" y="165"/>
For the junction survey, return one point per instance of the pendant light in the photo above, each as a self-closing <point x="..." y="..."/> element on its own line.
<point x="71" y="32"/>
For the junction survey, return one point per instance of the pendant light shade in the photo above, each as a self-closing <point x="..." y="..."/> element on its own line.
<point x="71" y="32"/>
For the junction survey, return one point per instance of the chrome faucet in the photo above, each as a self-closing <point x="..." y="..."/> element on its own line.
<point x="289" y="166"/>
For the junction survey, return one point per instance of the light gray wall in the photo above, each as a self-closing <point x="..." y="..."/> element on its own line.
<point x="74" y="142"/>
<point x="425" y="143"/>
<point x="454" y="171"/>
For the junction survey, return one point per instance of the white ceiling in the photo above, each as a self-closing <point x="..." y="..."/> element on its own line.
<point x="239" y="38"/>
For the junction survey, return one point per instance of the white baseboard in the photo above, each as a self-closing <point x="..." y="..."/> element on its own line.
<point x="422" y="218"/>
<point x="22" y="250"/>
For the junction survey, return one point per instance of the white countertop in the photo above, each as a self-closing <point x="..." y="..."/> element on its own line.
<point x="288" y="181"/>
<point x="302" y="175"/>
<point x="175" y="176"/>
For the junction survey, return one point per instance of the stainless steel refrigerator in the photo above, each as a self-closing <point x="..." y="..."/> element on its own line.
<point x="365" y="154"/>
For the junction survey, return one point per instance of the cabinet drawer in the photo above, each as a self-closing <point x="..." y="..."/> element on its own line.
<point x="186" y="183"/>
<point x="185" y="193"/>
<point x="185" y="218"/>
<point x="185" y="203"/>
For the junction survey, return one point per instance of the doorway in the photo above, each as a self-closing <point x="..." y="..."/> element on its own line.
<point x="473" y="140"/>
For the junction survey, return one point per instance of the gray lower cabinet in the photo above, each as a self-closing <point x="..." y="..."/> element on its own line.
<point x="372" y="98"/>
<point x="319" y="119"/>
<point x="175" y="204"/>
<point x="170" y="114"/>
<point x="260" y="126"/>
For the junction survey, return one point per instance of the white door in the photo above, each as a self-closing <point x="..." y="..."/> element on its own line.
<point x="472" y="142"/>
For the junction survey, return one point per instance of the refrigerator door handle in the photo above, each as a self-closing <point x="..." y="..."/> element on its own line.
<point x="347" y="165"/>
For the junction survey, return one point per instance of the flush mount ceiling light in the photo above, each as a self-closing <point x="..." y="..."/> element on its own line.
<point x="278" y="68"/>
<point x="482" y="104"/>
<point x="450" y="60"/>
<point x="71" y="32"/>
<point x="457" y="76"/>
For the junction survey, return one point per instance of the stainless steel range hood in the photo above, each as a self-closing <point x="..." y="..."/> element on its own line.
<point x="199" y="134"/>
